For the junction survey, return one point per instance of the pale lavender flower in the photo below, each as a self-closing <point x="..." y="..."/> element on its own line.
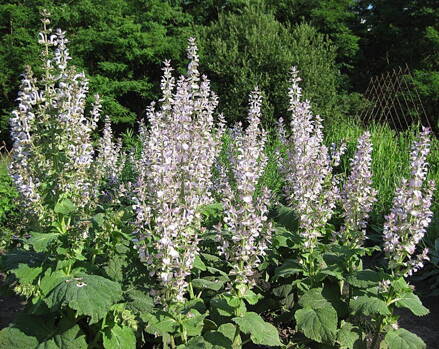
<point x="53" y="156"/>
<point x="174" y="177"/>
<point x="246" y="234"/>
<point x="410" y="216"/>
<point x="310" y="186"/>
<point x="358" y="195"/>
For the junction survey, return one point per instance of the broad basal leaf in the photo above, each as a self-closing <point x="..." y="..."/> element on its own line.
<point x="318" y="324"/>
<point x="368" y="306"/>
<point x="261" y="332"/>
<point x="91" y="295"/>
<point x="402" y="339"/>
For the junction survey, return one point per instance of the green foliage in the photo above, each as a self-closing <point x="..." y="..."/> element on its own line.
<point x="333" y="17"/>
<point x="402" y="339"/>
<point x="261" y="332"/>
<point x="253" y="49"/>
<point x="120" y="44"/>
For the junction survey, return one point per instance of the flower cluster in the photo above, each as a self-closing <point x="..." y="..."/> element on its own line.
<point x="246" y="234"/>
<point x="179" y="150"/>
<point x="358" y="195"/>
<point x="53" y="152"/>
<point x="310" y="186"/>
<point x="406" y="224"/>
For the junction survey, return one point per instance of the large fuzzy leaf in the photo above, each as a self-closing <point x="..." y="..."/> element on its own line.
<point x="90" y="295"/>
<point x="402" y="339"/>
<point x="26" y="274"/>
<point x="37" y="332"/>
<point x="369" y="306"/>
<point x="68" y="336"/>
<point x="412" y="302"/>
<point x="313" y="299"/>
<point x="318" y="324"/>
<point x="261" y="332"/>
<point x="11" y="337"/>
<point x="39" y="241"/>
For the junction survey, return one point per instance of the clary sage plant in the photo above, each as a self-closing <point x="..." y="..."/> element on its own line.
<point x="179" y="243"/>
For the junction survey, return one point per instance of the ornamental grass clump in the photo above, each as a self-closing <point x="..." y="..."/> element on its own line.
<point x="245" y="235"/>
<point x="179" y="150"/>
<point x="410" y="215"/>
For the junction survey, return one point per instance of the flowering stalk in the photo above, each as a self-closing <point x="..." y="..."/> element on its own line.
<point x="410" y="216"/>
<point x="247" y="234"/>
<point x="174" y="178"/>
<point x="52" y="151"/>
<point x="310" y="187"/>
<point x="358" y="195"/>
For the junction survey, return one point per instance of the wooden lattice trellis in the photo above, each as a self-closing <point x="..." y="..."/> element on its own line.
<point x="394" y="100"/>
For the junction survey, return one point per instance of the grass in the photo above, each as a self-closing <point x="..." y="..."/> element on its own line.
<point x="391" y="152"/>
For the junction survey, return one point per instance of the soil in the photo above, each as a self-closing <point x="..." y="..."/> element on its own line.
<point x="10" y="306"/>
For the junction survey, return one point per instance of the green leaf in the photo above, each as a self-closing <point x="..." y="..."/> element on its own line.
<point x="65" y="207"/>
<point x="51" y="279"/>
<point x="313" y="299"/>
<point x="402" y="339"/>
<point x="69" y="336"/>
<point x="365" y="305"/>
<point x="215" y="285"/>
<point x="99" y="219"/>
<point x="193" y="323"/>
<point x="412" y="302"/>
<point x="159" y="323"/>
<point x="228" y="330"/>
<point x="217" y="340"/>
<point x="261" y="332"/>
<point x="348" y="336"/>
<point x="318" y="324"/>
<point x="364" y="278"/>
<point x="196" y="342"/>
<point x="224" y="337"/>
<point x="39" y="241"/>
<point x="90" y="295"/>
<point x="11" y="337"/>
<point x="119" y="337"/>
<point x="139" y="302"/>
<point x="199" y="264"/>
<point x="26" y="274"/>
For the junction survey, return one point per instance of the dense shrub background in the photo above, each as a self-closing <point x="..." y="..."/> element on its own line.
<point x="121" y="43"/>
